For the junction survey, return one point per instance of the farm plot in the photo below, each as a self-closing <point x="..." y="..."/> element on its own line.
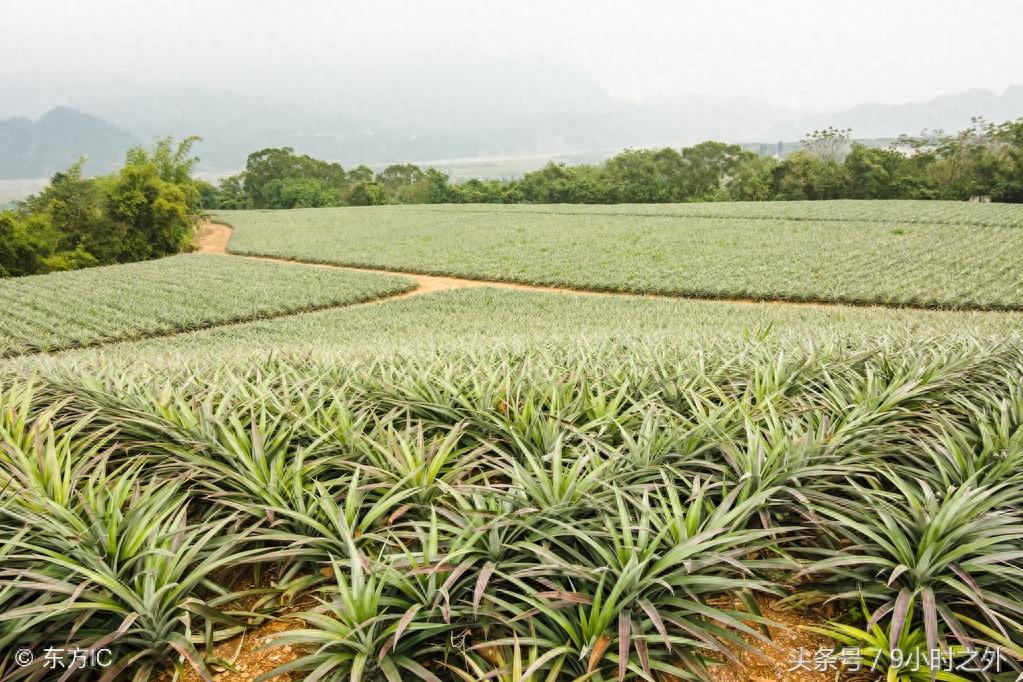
<point x="85" y="307"/>
<point x="600" y="516"/>
<point x="595" y="487"/>
<point x="488" y="318"/>
<point x="827" y="252"/>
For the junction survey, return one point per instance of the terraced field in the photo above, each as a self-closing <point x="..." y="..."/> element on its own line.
<point x="958" y="256"/>
<point x="86" y="307"/>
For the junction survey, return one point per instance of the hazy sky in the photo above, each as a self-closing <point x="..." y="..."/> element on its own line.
<point x="817" y="55"/>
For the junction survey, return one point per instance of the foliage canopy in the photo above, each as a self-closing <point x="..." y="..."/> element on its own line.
<point x="145" y="210"/>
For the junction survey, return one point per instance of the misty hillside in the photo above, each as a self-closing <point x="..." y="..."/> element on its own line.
<point x="38" y="149"/>
<point x="484" y="121"/>
<point x="544" y="111"/>
<point x="948" y="113"/>
<point x="552" y="111"/>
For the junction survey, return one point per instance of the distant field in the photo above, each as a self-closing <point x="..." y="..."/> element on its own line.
<point x="903" y="253"/>
<point x="893" y="211"/>
<point x="486" y="318"/>
<point x="84" y="307"/>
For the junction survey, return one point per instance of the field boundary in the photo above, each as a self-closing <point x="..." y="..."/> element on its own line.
<point x="213" y="324"/>
<point x="433" y="280"/>
<point x="213" y="238"/>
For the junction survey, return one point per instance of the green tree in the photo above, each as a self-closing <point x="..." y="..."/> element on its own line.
<point x="146" y="210"/>
<point x="359" y="174"/>
<point x="436" y="187"/>
<point x="874" y="173"/>
<point x="72" y="203"/>
<point x="229" y="194"/>
<point x="646" y="176"/>
<point x="1008" y="141"/>
<point x="751" y="180"/>
<point x="708" y="168"/>
<point x="561" y="184"/>
<point x="24" y="242"/>
<point x="477" y="191"/>
<point x="174" y="164"/>
<point x="150" y="215"/>
<point x="803" y="175"/>
<point x="367" y="194"/>
<point x="267" y="171"/>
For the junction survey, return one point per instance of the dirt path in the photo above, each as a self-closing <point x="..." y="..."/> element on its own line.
<point x="214" y="237"/>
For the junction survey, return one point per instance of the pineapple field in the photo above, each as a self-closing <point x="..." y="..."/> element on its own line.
<point x="901" y="253"/>
<point x="65" y="310"/>
<point x="819" y="479"/>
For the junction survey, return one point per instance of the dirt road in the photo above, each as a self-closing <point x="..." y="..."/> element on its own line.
<point x="214" y="238"/>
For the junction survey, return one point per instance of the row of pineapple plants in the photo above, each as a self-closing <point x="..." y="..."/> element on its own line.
<point x="543" y="516"/>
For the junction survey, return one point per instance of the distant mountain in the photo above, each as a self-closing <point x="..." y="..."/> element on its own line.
<point x="426" y="112"/>
<point x="40" y="148"/>
<point x="554" y="115"/>
<point x="232" y="125"/>
<point x="423" y="110"/>
<point x="560" y="113"/>
<point x="950" y="113"/>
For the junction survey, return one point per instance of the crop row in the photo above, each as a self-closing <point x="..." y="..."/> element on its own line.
<point x="896" y="212"/>
<point x="590" y="515"/>
<point x="516" y="320"/>
<point x="817" y="258"/>
<point x="85" y="307"/>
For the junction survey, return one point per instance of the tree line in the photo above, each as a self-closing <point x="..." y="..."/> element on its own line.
<point x="151" y="206"/>
<point x="985" y="160"/>
<point x="147" y="209"/>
